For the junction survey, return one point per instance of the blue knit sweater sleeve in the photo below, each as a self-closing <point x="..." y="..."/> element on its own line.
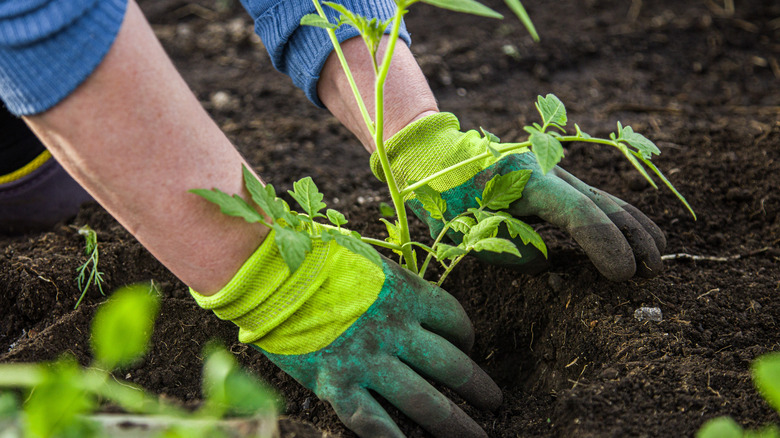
<point x="301" y="51"/>
<point x="48" y="48"/>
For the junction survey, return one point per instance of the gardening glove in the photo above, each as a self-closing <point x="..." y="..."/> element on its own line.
<point x="343" y="326"/>
<point x="618" y="238"/>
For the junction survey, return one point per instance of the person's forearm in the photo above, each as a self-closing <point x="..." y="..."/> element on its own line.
<point x="137" y="139"/>
<point x="407" y="94"/>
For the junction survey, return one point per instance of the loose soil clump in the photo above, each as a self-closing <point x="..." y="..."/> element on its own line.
<point x="563" y="345"/>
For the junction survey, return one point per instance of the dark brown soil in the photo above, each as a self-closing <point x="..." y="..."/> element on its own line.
<point x="563" y="345"/>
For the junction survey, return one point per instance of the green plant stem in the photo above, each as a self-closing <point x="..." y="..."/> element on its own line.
<point x="347" y="71"/>
<point x="381" y="243"/>
<point x="438" y="240"/>
<point x="395" y="194"/>
<point x="449" y="268"/>
<point x="129" y="397"/>
<point x="509" y="147"/>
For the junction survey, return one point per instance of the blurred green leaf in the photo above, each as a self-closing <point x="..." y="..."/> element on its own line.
<point x="123" y="326"/>
<point x="53" y="405"/>
<point x="722" y="427"/>
<point x="766" y="376"/>
<point x="521" y="13"/>
<point x="231" y="390"/>
<point x="466" y="6"/>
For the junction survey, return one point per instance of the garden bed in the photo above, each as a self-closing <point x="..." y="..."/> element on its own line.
<point x="563" y="345"/>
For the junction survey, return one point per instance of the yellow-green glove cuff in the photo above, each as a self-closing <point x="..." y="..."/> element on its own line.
<point x="296" y="313"/>
<point x="429" y="145"/>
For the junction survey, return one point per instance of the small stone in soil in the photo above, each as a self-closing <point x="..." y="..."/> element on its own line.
<point x="648" y="314"/>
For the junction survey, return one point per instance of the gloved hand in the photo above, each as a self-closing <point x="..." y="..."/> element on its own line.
<point x="618" y="238"/>
<point x="341" y="326"/>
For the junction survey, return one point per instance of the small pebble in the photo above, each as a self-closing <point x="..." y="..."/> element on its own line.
<point x="648" y="314"/>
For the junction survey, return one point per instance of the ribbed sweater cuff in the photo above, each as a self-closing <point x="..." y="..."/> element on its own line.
<point x="39" y="69"/>
<point x="301" y="51"/>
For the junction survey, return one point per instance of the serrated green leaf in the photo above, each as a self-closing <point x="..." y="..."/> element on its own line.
<point x="307" y="195"/>
<point x="642" y="144"/>
<point x="527" y="234"/>
<point x="551" y="109"/>
<point x="293" y="245"/>
<point x="316" y="21"/>
<point x="462" y="224"/>
<point x="354" y="244"/>
<point x="264" y="196"/>
<point x="444" y="251"/>
<point x="335" y="217"/>
<point x="122" y="326"/>
<point x="766" y="376"/>
<point x="502" y="190"/>
<point x="488" y="227"/>
<point x="548" y="150"/>
<point x="230" y="205"/>
<point x="496" y="244"/>
<point x="721" y="427"/>
<point x="431" y="201"/>
<point x="521" y="13"/>
<point x="466" y="6"/>
<point x="479" y="214"/>
<point x="386" y="210"/>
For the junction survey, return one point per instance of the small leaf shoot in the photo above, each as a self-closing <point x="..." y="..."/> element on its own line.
<point x="336" y="218"/>
<point x="307" y="195"/>
<point x="88" y="273"/>
<point x="552" y="110"/>
<point x="317" y="21"/>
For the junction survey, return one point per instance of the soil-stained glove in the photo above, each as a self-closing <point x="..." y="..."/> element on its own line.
<point x="343" y="326"/>
<point x="619" y="239"/>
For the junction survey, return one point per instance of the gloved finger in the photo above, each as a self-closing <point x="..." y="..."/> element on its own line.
<point x="649" y="226"/>
<point x="557" y="202"/>
<point x="648" y="259"/>
<point x="360" y="412"/>
<point x="442" y="314"/>
<point x="420" y="401"/>
<point x="658" y="236"/>
<point x="437" y="359"/>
